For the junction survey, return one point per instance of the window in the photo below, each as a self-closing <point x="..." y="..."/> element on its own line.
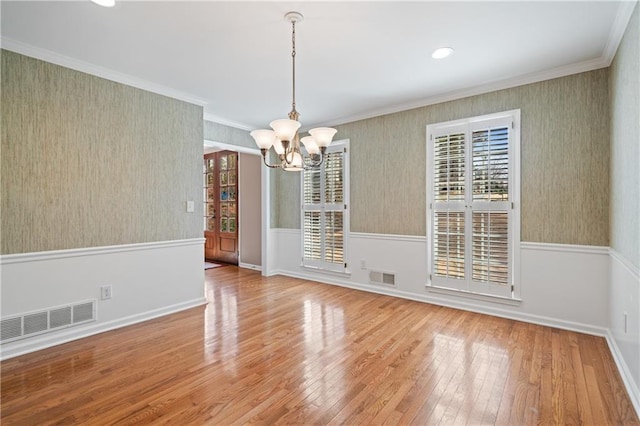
<point x="325" y="212"/>
<point x="473" y="204"/>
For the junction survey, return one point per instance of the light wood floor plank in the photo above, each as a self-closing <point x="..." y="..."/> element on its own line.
<point x="281" y="350"/>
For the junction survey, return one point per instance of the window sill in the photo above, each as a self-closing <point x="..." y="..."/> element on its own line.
<point x="475" y="296"/>
<point x="316" y="269"/>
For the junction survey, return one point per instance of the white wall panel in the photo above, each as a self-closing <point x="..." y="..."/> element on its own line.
<point x="561" y="285"/>
<point x="148" y="280"/>
<point x="625" y="298"/>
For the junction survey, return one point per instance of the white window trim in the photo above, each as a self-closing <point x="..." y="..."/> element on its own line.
<point x="321" y="266"/>
<point x="515" y="169"/>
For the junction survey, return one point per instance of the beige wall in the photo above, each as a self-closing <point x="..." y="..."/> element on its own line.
<point x="250" y="214"/>
<point x="564" y="168"/>
<point x="88" y="162"/>
<point x="625" y="144"/>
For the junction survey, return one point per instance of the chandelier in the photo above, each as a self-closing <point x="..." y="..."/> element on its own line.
<point x="284" y="137"/>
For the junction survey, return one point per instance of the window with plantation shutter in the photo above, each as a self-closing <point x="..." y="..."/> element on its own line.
<point x="325" y="212"/>
<point x="473" y="204"/>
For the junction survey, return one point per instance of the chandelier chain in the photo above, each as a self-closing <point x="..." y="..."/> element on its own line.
<point x="294" y="114"/>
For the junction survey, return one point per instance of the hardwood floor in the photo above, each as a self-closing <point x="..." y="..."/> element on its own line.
<point x="282" y="350"/>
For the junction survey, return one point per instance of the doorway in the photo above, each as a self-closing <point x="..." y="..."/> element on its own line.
<point x="252" y="207"/>
<point x="221" y="207"/>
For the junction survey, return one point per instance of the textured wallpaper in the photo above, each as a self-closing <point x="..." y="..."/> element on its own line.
<point x="564" y="168"/>
<point x="225" y="134"/>
<point x="88" y="162"/>
<point x="625" y="144"/>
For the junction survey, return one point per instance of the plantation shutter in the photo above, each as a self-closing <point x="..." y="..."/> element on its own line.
<point x="312" y="237"/>
<point x="324" y="211"/>
<point x="334" y="207"/>
<point x="449" y="189"/>
<point x="491" y="245"/>
<point x="470" y="205"/>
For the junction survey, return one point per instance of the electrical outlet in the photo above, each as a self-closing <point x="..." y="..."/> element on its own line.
<point x="363" y="264"/>
<point x="105" y="292"/>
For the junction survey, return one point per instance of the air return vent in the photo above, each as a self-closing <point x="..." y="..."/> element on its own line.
<point x="35" y="323"/>
<point x="378" y="277"/>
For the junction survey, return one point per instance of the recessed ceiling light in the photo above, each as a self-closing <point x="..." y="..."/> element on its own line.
<point x="105" y="3"/>
<point x="442" y="52"/>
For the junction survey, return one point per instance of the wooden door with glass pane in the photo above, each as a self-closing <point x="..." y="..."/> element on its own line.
<point x="221" y="207"/>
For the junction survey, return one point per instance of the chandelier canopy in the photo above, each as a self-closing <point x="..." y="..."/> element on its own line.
<point x="284" y="137"/>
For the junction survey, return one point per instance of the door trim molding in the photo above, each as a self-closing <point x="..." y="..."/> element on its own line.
<point x="265" y="196"/>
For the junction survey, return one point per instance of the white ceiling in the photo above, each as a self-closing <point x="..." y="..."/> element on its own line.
<point x="354" y="59"/>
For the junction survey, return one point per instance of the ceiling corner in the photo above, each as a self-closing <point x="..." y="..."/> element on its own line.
<point x="625" y="10"/>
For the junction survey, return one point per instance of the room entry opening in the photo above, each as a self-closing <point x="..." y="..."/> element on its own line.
<point x="221" y="207"/>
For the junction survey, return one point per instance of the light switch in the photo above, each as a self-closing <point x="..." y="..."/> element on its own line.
<point x="191" y="206"/>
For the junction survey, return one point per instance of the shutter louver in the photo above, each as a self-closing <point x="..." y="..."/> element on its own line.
<point x="333" y="185"/>
<point x="334" y="237"/>
<point x="312" y="237"/>
<point x="491" y="247"/>
<point x="491" y="164"/>
<point x="448" y="245"/>
<point x="311" y="187"/>
<point x="449" y="158"/>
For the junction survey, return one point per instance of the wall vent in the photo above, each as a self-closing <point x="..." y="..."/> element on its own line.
<point x="53" y="319"/>
<point x="378" y="277"/>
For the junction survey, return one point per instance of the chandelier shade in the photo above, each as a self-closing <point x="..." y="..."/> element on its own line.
<point x="323" y="135"/>
<point x="264" y="138"/>
<point x="284" y="137"/>
<point x="310" y="145"/>
<point x="284" y="129"/>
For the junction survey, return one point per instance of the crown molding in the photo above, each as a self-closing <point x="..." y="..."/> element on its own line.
<point x="625" y="10"/>
<point x="479" y="89"/>
<point x="96" y="70"/>
<point x="219" y="120"/>
<point x="215" y="145"/>
<point x="82" y="66"/>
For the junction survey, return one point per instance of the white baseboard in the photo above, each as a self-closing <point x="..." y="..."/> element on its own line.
<point x="250" y="266"/>
<point x="625" y="374"/>
<point x="464" y="305"/>
<point x="623" y="336"/>
<point x="147" y="280"/>
<point x="549" y="275"/>
<point x="599" y="283"/>
<point x="45" y="341"/>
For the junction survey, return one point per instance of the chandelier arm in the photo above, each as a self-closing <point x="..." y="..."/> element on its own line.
<point x="288" y="149"/>
<point x="286" y="157"/>
<point x="314" y="163"/>
<point x="264" y="160"/>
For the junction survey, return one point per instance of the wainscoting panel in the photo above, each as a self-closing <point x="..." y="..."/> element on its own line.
<point x="562" y="286"/>
<point x="147" y="280"/>
<point x="624" y="323"/>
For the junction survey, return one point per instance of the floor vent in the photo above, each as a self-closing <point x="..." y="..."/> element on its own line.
<point x="377" y="277"/>
<point x="35" y="323"/>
